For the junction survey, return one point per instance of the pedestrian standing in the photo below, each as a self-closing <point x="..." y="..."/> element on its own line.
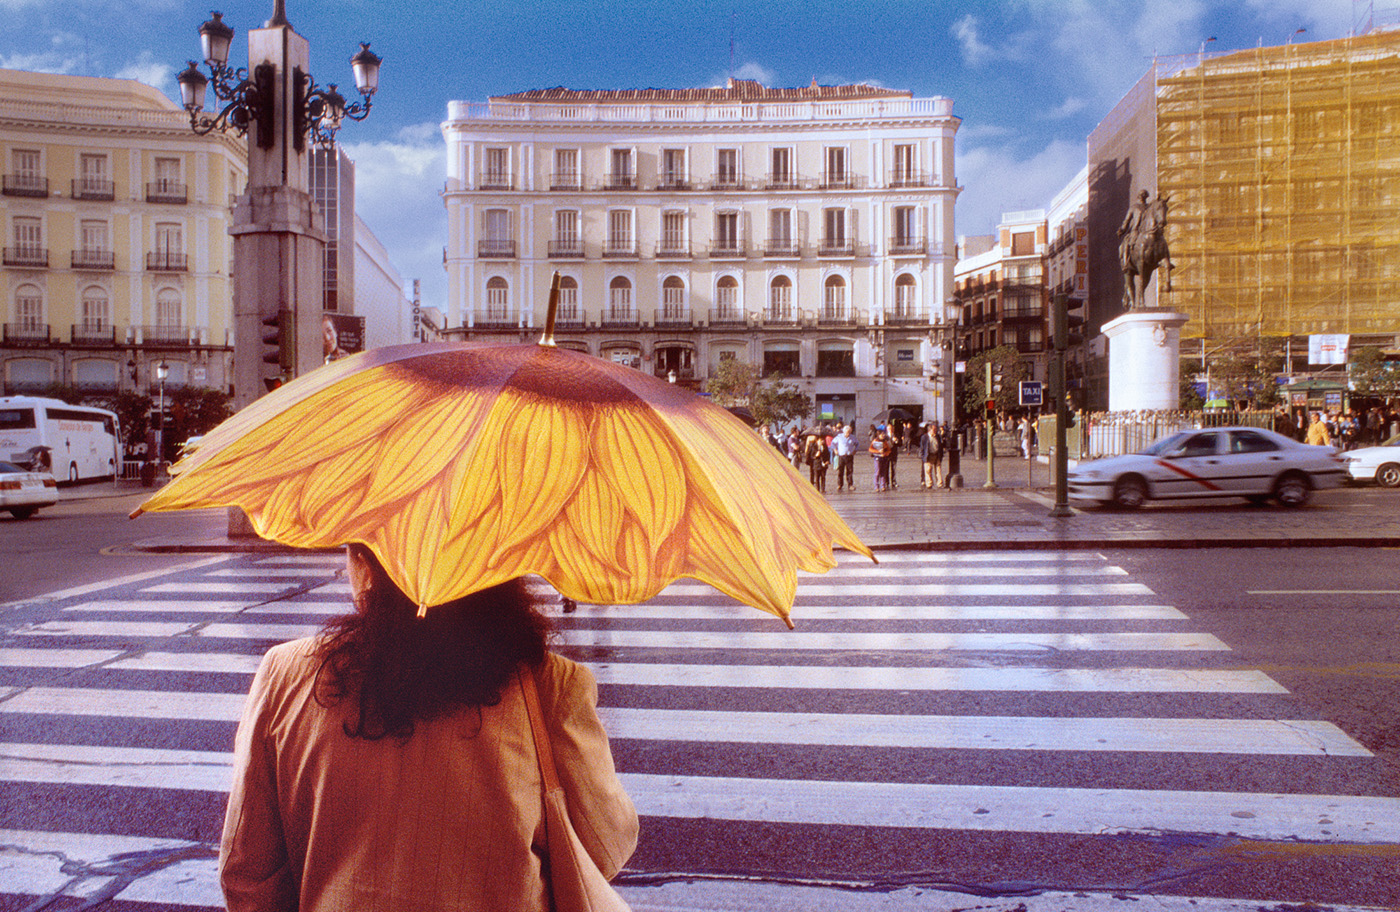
<point x="845" y="447"/>
<point x="879" y="452"/>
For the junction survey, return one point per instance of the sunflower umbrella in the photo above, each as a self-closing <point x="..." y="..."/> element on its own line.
<point x="463" y="466"/>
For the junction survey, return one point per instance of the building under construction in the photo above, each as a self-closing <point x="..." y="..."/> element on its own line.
<point x="1282" y="166"/>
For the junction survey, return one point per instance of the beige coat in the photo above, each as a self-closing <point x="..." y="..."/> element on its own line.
<point x="451" y="818"/>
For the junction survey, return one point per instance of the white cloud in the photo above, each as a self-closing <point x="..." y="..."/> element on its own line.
<point x="756" y="71"/>
<point x="43" y="62"/>
<point x="997" y="182"/>
<point x="150" y="71"/>
<point x="1067" y="108"/>
<point x="975" y="52"/>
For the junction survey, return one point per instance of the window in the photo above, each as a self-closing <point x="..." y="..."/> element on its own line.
<point x="566" y="173"/>
<point x="27" y="163"/>
<point x="780" y="168"/>
<point x="835" y="167"/>
<point x="780" y="241"/>
<point x="834" y="300"/>
<point x="621" y="176"/>
<point x="620" y="232"/>
<point x="783" y="359"/>
<point x="1250" y="442"/>
<point x="94" y="180"/>
<point x="497" y="299"/>
<point x="168" y="176"/>
<point x="836" y="359"/>
<point x="496" y="240"/>
<point x="1197" y="445"/>
<point x="619" y="299"/>
<point x="673" y="298"/>
<point x="168" y="309"/>
<point x="727" y="168"/>
<point x="673" y="232"/>
<point x="97" y="313"/>
<point x="496" y="175"/>
<point x="906" y="232"/>
<point x="169" y="238"/>
<point x="904" y="173"/>
<point x="780" y="299"/>
<point x="905" y="291"/>
<point x="29" y="236"/>
<point x="568" y="299"/>
<point x="727" y="231"/>
<point x="93" y="236"/>
<point x="566" y="227"/>
<point x="727" y="299"/>
<point x="1023" y="243"/>
<point x="673" y="170"/>
<point x="834" y="221"/>
<point x="29" y="308"/>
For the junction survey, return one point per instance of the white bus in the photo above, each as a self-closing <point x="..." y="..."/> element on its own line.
<point x="74" y="442"/>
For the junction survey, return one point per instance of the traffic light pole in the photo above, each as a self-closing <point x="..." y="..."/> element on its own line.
<point x="1060" y="329"/>
<point x="991" y="431"/>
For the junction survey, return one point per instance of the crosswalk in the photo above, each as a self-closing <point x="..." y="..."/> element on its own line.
<point x="998" y="724"/>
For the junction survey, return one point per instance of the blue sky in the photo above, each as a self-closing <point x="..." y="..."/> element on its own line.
<point x="1030" y="78"/>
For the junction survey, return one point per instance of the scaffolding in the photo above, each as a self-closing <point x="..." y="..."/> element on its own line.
<point x="1283" y="169"/>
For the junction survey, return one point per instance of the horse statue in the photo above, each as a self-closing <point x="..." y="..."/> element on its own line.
<point x="1142" y="248"/>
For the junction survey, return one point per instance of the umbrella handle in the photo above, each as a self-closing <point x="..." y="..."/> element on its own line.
<point x="547" y="340"/>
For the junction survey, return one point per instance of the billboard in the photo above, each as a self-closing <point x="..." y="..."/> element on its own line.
<point x="1328" y="349"/>
<point x="341" y="335"/>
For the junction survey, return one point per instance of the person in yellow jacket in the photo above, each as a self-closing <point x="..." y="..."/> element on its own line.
<point x="1317" y="432"/>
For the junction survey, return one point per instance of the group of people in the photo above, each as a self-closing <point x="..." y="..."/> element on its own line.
<point x="1347" y="431"/>
<point x="818" y="449"/>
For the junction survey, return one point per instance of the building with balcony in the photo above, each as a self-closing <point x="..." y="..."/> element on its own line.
<point x="808" y="231"/>
<point x="1003" y="292"/>
<point x="116" y="247"/>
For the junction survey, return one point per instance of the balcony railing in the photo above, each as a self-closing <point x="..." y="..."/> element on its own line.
<point x="566" y="250"/>
<point x="167" y="192"/>
<point x="836" y="316"/>
<point x="728" y="250"/>
<point x="87" y="188"/>
<point x="908" y="179"/>
<point x="620" y="250"/>
<point x="496" y="319"/>
<point x="94" y="259"/>
<point x="673" y="250"/>
<point x="780" y="182"/>
<point x="26" y="334"/>
<point x="167" y="335"/>
<point x="728" y="316"/>
<point x="837" y="247"/>
<point x="673" y="182"/>
<point x="782" y="316"/>
<point x="25" y="185"/>
<point x="566" y="180"/>
<point x="908" y="246"/>
<point x="493" y="180"/>
<point x="619" y="318"/>
<point x="95" y="334"/>
<point x="727" y="182"/>
<point x="674" y="317"/>
<point x="833" y="180"/>
<point x="165" y="261"/>
<point x="904" y="317"/>
<point x="495" y="248"/>
<point x="570" y="316"/>
<point x="27" y="256"/>
<point x="782" y="249"/>
<point x="620" y="182"/>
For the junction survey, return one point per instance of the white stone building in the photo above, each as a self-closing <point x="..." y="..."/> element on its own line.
<point x="808" y="231"/>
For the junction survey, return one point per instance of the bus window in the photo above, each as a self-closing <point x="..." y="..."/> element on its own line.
<point x="16" y="419"/>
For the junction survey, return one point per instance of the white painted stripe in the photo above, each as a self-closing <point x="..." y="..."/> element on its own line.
<point x="1323" y="591"/>
<point x="917" y="572"/>
<point x="893" y="642"/>
<point x="41" y="863"/>
<point x="184" y="606"/>
<point x="864" y="612"/>
<point x="239" y="588"/>
<point x="1187" y="736"/>
<point x="127" y="704"/>
<point x="1015" y="679"/>
<point x="306" y="573"/>
<point x="131" y="767"/>
<point x="972" y="558"/>
<point x="331" y="559"/>
<point x="119" y="581"/>
<point x="210" y="662"/>
<point x="1207" y="736"/>
<point x="832" y="587"/>
<point x="55" y="658"/>
<point x="280" y="632"/>
<point x="108" y="628"/>
<point x="1017" y="809"/>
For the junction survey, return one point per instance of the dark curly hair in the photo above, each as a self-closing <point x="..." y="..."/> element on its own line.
<point x="402" y="669"/>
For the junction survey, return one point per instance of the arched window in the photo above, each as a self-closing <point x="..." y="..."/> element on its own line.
<point x="497" y="299"/>
<point x="780" y="299"/>
<point x="29" y="308"/>
<point x="619" y="299"/>
<point x="673" y="298"/>
<point x="568" y="299"/>
<point x="97" y="312"/>
<point x="905" y="291"/>
<point x="834" y="302"/>
<point x="168" y="310"/>
<point x="727" y="299"/>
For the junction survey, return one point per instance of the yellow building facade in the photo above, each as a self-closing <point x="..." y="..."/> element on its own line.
<point x="808" y="231"/>
<point x="116" y="247"/>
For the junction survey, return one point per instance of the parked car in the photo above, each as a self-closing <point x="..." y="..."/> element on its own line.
<point x="23" y="492"/>
<point x="1213" y="462"/>
<point x="1380" y="463"/>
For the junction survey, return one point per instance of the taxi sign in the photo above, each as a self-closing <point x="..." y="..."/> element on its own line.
<point x="1032" y="392"/>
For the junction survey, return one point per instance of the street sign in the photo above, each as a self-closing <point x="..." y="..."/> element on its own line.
<point x="1031" y="392"/>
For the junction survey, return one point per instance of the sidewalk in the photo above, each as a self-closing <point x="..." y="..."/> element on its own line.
<point x="1013" y="515"/>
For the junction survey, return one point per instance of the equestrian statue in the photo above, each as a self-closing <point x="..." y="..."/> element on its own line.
<point x="1142" y="248"/>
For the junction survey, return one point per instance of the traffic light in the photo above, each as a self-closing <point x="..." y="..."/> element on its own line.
<point x="1068" y="319"/>
<point x="279" y="348"/>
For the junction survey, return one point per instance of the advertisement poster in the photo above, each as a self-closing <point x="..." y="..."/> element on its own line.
<point x="342" y="334"/>
<point x="1328" y="349"/>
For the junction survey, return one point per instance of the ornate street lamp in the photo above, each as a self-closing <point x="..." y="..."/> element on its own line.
<point x="162" y="371"/>
<point x="251" y="98"/>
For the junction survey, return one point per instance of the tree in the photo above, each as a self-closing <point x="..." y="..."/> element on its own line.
<point x="776" y="402"/>
<point x="732" y="383"/>
<point x="133" y="412"/>
<point x="194" y="411"/>
<point x="1371" y="375"/>
<point x="1006" y="361"/>
<point x="1191" y="398"/>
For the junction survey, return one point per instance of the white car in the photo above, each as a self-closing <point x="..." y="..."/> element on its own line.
<point x="1212" y="462"/>
<point x="1380" y="463"/>
<point x="23" y="492"/>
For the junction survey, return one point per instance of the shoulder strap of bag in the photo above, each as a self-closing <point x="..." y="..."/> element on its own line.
<point x="544" y="753"/>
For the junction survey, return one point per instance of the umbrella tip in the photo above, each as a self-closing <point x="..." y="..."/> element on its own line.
<point x="135" y="513"/>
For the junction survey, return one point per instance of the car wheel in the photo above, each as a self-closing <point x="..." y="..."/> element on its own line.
<point x="1388" y="475"/>
<point x="23" y="512"/>
<point x="1293" y="489"/>
<point x="1130" y="493"/>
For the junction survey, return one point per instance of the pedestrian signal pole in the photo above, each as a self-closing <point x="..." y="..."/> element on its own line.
<point x="1061" y="328"/>
<point x="993" y="387"/>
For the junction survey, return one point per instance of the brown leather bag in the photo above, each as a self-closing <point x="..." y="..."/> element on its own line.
<point x="575" y="883"/>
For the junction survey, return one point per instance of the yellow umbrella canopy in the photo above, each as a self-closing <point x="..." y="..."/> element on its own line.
<point x="463" y="466"/>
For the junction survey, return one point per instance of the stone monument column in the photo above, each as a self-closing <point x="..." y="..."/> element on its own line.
<point x="1143" y="367"/>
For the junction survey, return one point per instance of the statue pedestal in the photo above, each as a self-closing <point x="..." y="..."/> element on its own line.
<point x="1143" y="367"/>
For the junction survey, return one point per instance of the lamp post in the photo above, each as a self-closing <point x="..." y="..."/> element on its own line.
<point x="277" y="236"/>
<point x="162" y="371"/>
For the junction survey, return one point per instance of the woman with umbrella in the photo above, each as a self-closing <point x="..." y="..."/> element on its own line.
<point x="387" y="763"/>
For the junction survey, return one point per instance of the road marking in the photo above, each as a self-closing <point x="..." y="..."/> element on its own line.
<point x="918" y="572"/>
<point x="108" y="628"/>
<point x="866" y="612"/>
<point x="119" y="581"/>
<point x="230" y="588"/>
<point x="1019" y="809"/>
<point x="1323" y="591"/>
<point x="127" y="704"/>
<point x="309" y="573"/>
<point x="842" y="642"/>
<point x="129" y="767"/>
<point x="55" y="658"/>
<point x="182" y="606"/>
<point x="813" y="587"/>
<point x="821" y="677"/>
